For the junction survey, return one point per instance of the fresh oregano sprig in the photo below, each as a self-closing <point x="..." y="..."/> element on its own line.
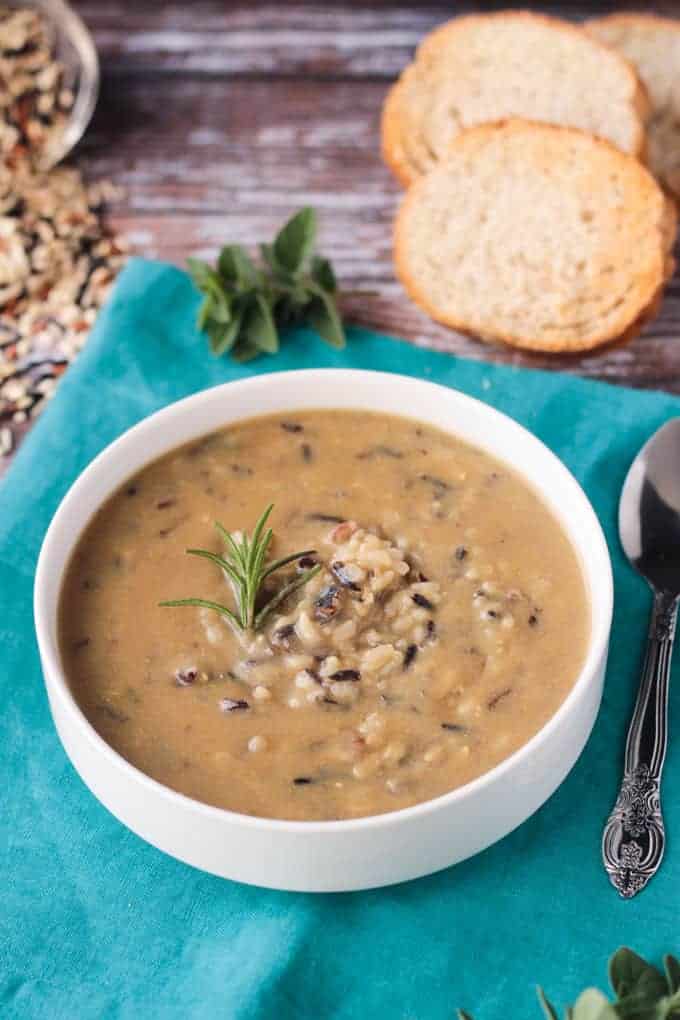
<point x="641" y="993"/>
<point x="247" y="568"/>
<point x="245" y="305"/>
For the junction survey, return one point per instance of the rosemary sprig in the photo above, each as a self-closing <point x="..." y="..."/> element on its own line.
<point x="245" y="564"/>
<point x="246" y="304"/>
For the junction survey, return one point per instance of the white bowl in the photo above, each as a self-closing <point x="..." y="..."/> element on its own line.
<point x="358" y="853"/>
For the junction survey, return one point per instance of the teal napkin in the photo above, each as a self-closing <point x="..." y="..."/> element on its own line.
<point x="96" y="925"/>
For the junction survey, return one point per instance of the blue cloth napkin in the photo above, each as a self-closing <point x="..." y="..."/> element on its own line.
<point x="95" y="924"/>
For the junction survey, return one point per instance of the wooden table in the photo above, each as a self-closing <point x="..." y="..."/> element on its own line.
<point x="220" y="119"/>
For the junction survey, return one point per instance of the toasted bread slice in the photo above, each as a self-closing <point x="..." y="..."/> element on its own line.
<point x="541" y="237"/>
<point x="392" y="149"/>
<point x="483" y="68"/>
<point x="652" y="45"/>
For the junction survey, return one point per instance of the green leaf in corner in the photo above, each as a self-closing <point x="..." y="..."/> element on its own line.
<point x="323" y="317"/>
<point x="636" y="983"/>
<point x="295" y="241"/>
<point x="593" y="1005"/>
<point x="259" y="329"/>
<point x="670" y="1007"/>
<point x="548" y="1009"/>
<point x="322" y="273"/>
<point x="672" y="968"/>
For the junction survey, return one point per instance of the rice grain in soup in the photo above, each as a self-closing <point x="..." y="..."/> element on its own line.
<point x="447" y="624"/>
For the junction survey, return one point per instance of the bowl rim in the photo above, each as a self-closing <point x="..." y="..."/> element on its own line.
<point x="55" y="677"/>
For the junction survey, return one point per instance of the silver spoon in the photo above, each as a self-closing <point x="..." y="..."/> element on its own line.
<point x="649" y="526"/>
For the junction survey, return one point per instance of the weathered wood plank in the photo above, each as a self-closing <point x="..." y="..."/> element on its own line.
<point x="323" y="40"/>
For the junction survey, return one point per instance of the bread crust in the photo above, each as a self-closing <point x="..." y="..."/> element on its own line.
<point x="390" y="138"/>
<point x="633" y="20"/>
<point x="393" y="148"/>
<point x="622" y="329"/>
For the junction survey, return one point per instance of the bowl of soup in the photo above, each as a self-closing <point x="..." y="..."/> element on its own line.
<point x="414" y="680"/>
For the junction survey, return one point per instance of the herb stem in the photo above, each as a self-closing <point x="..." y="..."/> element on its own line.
<point x="245" y="565"/>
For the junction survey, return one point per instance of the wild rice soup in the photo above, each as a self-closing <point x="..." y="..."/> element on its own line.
<point x="447" y="624"/>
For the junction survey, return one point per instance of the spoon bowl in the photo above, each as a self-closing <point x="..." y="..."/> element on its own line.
<point x="649" y="511"/>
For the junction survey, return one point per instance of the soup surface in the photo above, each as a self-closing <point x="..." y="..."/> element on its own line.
<point x="447" y="623"/>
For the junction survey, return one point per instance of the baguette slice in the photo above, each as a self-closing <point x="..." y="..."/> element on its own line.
<point x="652" y="45"/>
<point x="483" y="68"/>
<point x="537" y="236"/>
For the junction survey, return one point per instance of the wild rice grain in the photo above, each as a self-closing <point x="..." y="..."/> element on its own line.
<point x="233" y="705"/>
<point x="186" y="677"/>
<point x="410" y="655"/>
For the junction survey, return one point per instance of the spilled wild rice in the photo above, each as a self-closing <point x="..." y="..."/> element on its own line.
<point x="57" y="261"/>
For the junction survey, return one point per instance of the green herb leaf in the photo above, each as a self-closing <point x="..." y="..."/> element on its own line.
<point x="637" y="984"/>
<point x="204" y="312"/>
<point x="236" y="268"/>
<point x="245" y="351"/>
<point x="322" y="273"/>
<point x="259" y="329"/>
<point x="548" y="1009"/>
<point x="245" y="564"/>
<point x="641" y="993"/>
<point x="672" y="969"/>
<point x="200" y="272"/>
<point x="269" y="257"/>
<point x="203" y="604"/>
<point x="593" y="1005"/>
<point x="221" y="308"/>
<point x="295" y="241"/>
<point x="247" y="305"/>
<point x="670" y="1007"/>
<point x="223" y="335"/>
<point x="323" y="316"/>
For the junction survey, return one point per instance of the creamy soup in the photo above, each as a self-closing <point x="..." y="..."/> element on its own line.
<point x="445" y="624"/>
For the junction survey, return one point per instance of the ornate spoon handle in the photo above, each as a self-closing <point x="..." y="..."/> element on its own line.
<point x="633" y="840"/>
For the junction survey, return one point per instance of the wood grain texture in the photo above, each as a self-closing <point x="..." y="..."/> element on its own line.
<point x="317" y="39"/>
<point x="220" y="119"/>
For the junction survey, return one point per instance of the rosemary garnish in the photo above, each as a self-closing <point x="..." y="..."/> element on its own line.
<point x="245" y="564"/>
<point x="246" y="304"/>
